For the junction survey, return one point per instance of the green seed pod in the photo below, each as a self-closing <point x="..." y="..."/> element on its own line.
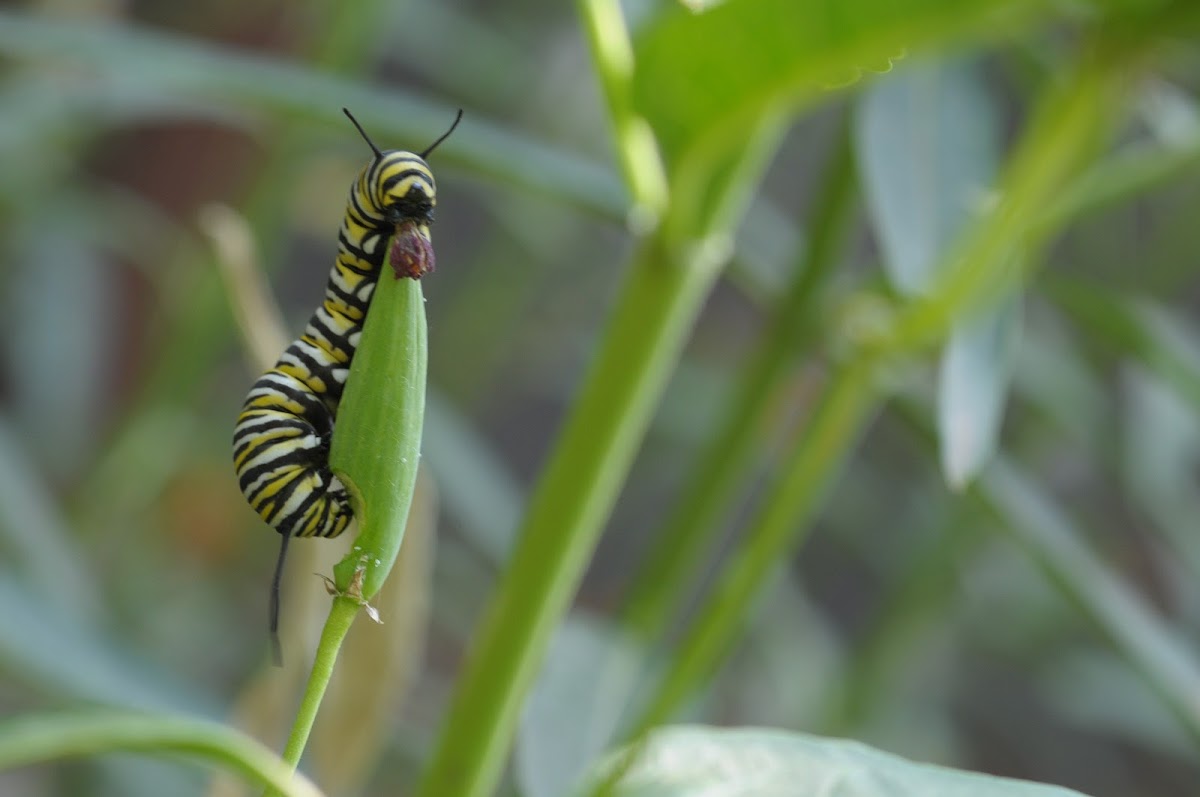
<point x="377" y="440"/>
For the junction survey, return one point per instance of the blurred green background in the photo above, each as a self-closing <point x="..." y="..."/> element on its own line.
<point x="988" y="628"/>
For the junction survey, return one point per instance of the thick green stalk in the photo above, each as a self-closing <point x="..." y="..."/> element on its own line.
<point x="575" y="494"/>
<point x="662" y="578"/>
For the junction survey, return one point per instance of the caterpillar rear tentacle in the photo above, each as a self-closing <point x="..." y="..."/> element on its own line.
<point x="282" y="437"/>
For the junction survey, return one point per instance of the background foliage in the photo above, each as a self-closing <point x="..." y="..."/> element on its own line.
<point x="954" y="350"/>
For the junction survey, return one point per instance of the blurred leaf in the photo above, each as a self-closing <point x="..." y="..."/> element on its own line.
<point x="764" y="677"/>
<point x="1164" y="657"/>
<point x="972" y="387"/>
<point x="1160" y="339"/>
<point x="1171" y="114"/>
<point x="686" y="761"/>
<point x="67" y="661"/>
<point x="1099" y="692"/>
<point x="926" y="140"/>
<point x="60" y="315"/>
<point x="478" y="490"/>
<point x="1160" y="456"/>
<point x="927" y="149"/>
<point x="572" y="713"/>
<point x="785" y="51"/>
<point x="718" y="125"/>
<point x="176" y="69"/>
<point x="36" y="539"/>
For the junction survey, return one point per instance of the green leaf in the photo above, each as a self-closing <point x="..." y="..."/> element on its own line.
<point x="925" y="138"/>
<point x="973" y="383"/>
<point x="1098" y="691"/>
<point x="926" y="141"/>
<point x="684" y="761"/>
<point x="705" y="80"/>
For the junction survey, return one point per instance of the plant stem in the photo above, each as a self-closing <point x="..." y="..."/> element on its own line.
<point x="656" y="309"/>
<point x="662" y="578"/>
<point x="637" y="152"/>
<point x="34" y="739"/>
<point x="341" y="616"/>
<point x="841" y="415"/>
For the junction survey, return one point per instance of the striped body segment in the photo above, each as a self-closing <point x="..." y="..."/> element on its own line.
<point x="282" y="438"/>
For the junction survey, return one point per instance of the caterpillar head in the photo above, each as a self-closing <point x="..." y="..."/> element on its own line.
<point x="402" y="189"/>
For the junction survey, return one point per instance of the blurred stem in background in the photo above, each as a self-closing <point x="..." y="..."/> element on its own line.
<point x="1062" y="133"/>
<point x="661" y="583"/>
<point x="1057" y="546"/>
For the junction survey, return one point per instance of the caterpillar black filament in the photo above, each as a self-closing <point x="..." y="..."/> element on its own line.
<point x="282" y="438"/>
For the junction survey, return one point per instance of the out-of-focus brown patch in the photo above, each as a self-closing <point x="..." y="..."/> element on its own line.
<point x="202" y="513"/>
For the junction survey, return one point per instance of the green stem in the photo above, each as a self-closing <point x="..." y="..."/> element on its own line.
<point x="34" y="739"/>
<point x="341" y="616"/>
<point x="1067" y="126"/>
<point x="912" y="607"/>
<point x="839" y="418"/>
<point x="659" y="303"/>
<point x="662" y="577"/>
<point x="637" y="152"/>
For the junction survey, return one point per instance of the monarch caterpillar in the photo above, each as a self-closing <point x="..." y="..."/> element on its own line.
<point x="282" y="437"/>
